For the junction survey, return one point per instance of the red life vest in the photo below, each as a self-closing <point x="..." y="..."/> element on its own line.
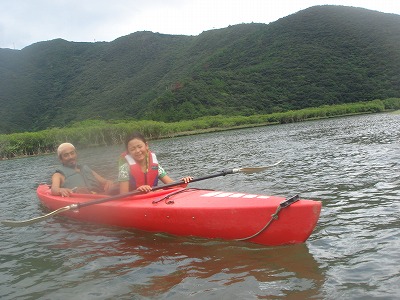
<point x="137" y="177"/>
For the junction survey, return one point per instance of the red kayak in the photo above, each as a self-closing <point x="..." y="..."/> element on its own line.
<point x="266" y="220"/>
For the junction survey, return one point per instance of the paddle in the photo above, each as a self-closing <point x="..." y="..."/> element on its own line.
<point x="102" y="200"/>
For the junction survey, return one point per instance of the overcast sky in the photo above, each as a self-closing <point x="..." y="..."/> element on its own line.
<point x="24" y="22"/>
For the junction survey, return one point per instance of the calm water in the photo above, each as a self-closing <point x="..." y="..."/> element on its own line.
<point x="351" y="164"/>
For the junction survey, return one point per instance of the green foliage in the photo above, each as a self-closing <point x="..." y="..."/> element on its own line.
<point x="322" y="55"/>
<point x="392" y="103"/>
<point x="95" y="133"/>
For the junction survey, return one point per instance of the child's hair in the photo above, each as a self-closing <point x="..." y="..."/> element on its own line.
<point x="135" y="135"/>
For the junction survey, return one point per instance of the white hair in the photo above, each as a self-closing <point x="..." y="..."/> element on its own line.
<point x="62" y="147"/>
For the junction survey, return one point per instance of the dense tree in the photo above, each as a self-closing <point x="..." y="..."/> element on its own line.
<point x="321" y="55"/>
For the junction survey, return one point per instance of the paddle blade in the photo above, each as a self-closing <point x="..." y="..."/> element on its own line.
<point x="257" y="169"/>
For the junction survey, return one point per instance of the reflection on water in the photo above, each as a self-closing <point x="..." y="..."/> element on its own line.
<point x="351" y="164"/>
<point x="106" y="261"/>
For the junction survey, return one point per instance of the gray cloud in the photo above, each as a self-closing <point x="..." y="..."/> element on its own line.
<point x="24" y="22"/>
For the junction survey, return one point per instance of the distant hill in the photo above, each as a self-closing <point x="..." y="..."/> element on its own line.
<point x="320" y="55"/>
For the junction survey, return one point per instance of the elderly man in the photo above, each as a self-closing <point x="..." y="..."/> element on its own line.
<point x="72" y="177"/>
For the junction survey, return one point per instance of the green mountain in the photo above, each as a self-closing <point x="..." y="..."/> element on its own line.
<point x="320" y="55"/>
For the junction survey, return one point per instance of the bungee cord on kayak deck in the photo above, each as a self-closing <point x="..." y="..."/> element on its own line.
<point x="274" y="216"/>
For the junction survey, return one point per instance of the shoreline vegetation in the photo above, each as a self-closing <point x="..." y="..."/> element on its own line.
<point x="92" y="133"/>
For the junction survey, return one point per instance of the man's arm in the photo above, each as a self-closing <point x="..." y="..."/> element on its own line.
<point x="106" y="184"/>
<point x="56" y="181"/>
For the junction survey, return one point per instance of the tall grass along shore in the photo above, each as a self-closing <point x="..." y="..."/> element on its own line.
<point x="100" y="133"/>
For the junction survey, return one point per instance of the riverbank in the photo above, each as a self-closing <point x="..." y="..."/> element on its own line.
<point x="91" y="133"/>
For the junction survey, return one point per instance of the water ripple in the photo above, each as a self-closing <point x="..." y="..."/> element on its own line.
<point x="351" y="164"/>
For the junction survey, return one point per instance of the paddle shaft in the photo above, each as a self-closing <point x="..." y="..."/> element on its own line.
<point x="98" y="201"/>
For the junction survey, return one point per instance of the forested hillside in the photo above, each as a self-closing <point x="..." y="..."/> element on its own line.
<point x="321" y="55"/>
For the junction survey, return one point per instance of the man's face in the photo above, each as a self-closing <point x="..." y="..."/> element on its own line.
<point x="69" y="157"/>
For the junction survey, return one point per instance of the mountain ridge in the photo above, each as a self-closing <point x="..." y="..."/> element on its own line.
<point x="320" y="55"/>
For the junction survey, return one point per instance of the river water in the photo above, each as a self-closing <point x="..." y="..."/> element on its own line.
<point x="351" y="164"/>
